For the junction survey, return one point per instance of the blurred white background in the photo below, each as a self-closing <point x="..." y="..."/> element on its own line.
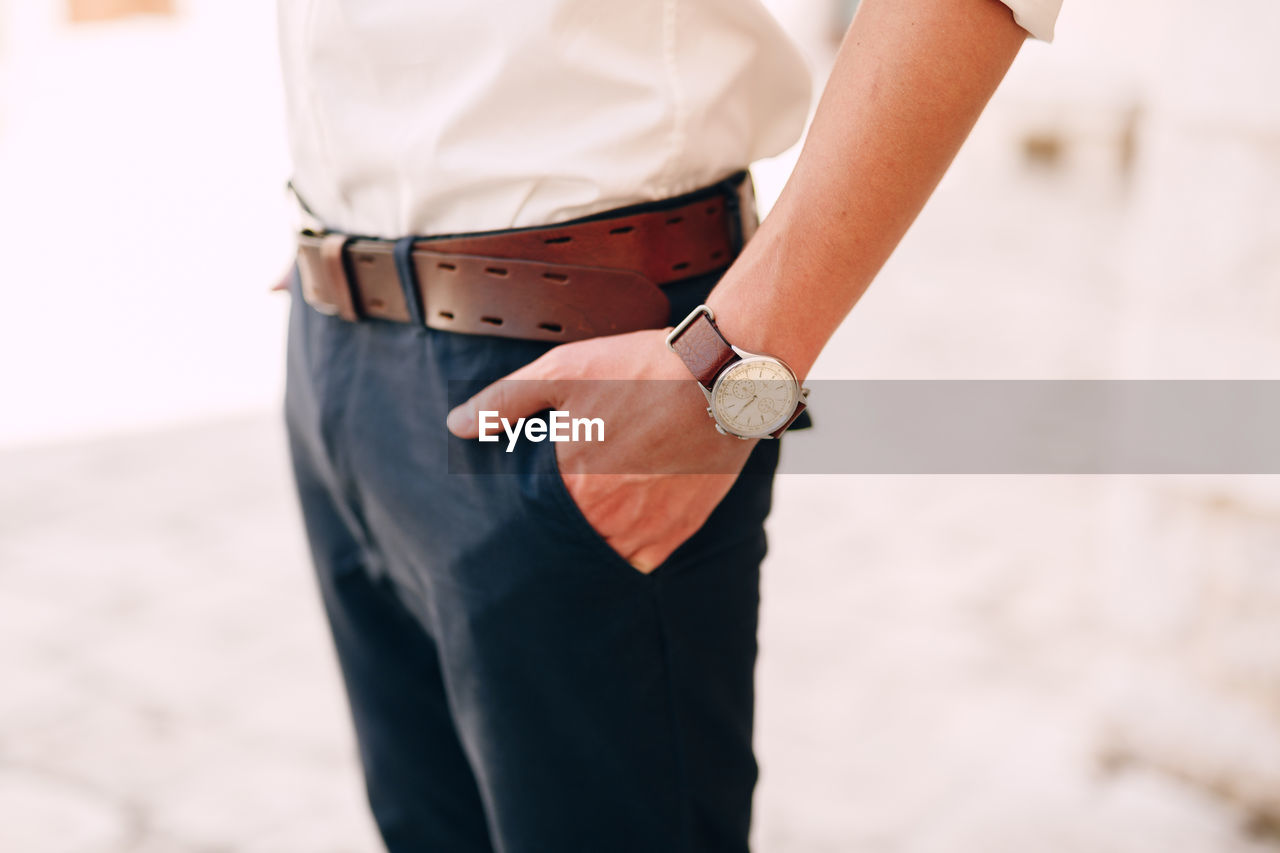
<point x="143" y="165"/>
<point x="948" y="664"/>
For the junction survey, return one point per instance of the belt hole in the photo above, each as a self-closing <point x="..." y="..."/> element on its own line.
<point x="551" y="327"/>
<point x="675" y="220"/>
<point x="711" y="211"/>
<point x="498" y="271"/>
<point x="622" y="229"/>
<point x="683" y="265"/>
<point x="445" y="266"/>
<point x="493" y="321"/>
<point x="717" y="255"/>
<point x="377" y="303"/>
<point x="557" y="240"/>
<point x="558" y="277"/>
<point x="448" y="315"/>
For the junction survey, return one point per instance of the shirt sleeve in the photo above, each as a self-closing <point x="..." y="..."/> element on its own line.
<point x="1037" y="17"/>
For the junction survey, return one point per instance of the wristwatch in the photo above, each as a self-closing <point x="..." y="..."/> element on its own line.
<point x="749" y="394"/>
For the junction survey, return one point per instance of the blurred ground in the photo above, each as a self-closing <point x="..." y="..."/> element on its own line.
<point x="949" y="665"/>
<point x="931" y="679"/>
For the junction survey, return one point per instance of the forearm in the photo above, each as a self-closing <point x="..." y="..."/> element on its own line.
<point x="909" y="82"/>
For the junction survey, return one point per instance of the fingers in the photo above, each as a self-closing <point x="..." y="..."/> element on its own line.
<point x="648" y="553"/>
<point x="645" y="558"/>
<point x="645" y="561"/>
<point x="522" y="393"/>
<point x="649" y="557"/>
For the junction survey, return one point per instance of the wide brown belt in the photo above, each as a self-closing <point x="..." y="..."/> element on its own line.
<point x="601" y="275"/>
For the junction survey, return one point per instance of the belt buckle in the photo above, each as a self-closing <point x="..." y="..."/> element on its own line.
<point x="675" y="333"/>
<point x="322" y="270"/>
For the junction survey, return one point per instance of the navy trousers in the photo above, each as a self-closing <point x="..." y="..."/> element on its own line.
<point x="515" y="684"/>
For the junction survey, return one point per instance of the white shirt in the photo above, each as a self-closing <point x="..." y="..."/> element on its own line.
<point x="443" y="116"/>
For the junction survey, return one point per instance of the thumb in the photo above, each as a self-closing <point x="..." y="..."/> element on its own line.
<point x="514" y="396"/>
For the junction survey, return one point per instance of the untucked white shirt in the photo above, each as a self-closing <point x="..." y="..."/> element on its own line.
<point x="445" y="116"/>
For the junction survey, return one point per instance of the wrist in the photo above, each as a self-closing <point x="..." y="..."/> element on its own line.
<point x="758" y="326"/>
<point x="770" y="300"/>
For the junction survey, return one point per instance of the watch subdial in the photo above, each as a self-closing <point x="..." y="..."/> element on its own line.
<point x="742" y="388"/>
<point x="768" y="406"/>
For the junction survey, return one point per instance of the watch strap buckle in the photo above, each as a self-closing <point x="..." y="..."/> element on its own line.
<point x="685" y="323"/>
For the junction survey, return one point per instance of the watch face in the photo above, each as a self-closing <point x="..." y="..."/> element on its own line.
<point x="755" y="396"/>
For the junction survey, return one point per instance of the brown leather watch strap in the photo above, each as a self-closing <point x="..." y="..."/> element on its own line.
<point x="698" y="342"/>
<point x="703" y="350"/>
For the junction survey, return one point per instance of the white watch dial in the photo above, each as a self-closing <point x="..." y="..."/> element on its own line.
<point x="754" y="396"/>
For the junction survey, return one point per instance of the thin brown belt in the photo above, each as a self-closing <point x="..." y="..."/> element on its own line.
<point x="601" y="275"/>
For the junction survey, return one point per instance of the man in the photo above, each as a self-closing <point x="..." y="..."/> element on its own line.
<point x="539" y="658"/>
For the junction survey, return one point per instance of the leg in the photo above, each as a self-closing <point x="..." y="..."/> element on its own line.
<point x="422" y="791"/>
<point x="613" y="710"/>
<point x="601" y="709"/>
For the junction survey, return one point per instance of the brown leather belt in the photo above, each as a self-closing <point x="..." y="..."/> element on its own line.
<point x="601" y="275"/>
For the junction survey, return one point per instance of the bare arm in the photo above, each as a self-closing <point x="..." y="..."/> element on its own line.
<point x="909" y="82"/>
